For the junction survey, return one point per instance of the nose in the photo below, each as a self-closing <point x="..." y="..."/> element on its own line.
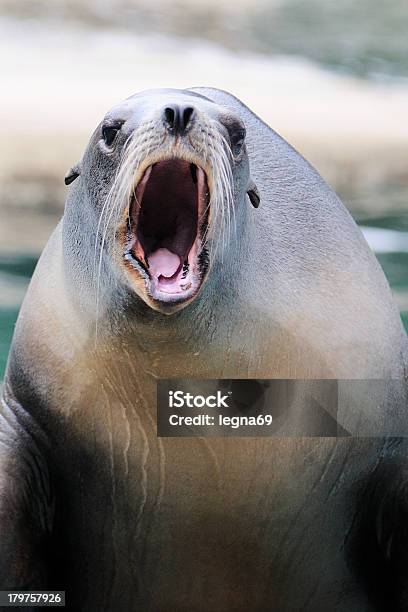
<point x="178" y="119"/>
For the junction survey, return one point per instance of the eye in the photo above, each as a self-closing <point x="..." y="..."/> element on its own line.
<point x="237" y="141"/>
<point x="109" y="134"/>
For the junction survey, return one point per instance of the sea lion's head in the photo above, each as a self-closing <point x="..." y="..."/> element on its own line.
<point x="166" y="172"/>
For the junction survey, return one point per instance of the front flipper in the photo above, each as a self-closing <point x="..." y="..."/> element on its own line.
<point x="26" y="500"/>
<point x="379" y="539"/>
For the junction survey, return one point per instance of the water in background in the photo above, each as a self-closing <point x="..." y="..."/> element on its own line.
<point x="15" y="273"/>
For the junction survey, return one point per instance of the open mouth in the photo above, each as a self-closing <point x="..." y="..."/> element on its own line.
<point x="168" y="219"/>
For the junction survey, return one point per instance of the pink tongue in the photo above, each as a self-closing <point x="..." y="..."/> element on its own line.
<point x="163" y="263"/>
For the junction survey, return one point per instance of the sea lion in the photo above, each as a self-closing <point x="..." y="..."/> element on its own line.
<point x="196" y="243"/>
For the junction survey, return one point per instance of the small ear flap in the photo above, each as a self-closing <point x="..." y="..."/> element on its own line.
<point x="253" y="194"/>
<point x="72" y="174"/>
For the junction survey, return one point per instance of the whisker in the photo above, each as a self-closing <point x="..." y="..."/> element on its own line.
<point x="118" y="196"/>
<point x="216" y="155"/>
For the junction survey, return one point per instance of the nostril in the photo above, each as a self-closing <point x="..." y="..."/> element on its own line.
<point x="178" y="118"/>
<point x="170" y="116"/>
<point x="188" y="114"/>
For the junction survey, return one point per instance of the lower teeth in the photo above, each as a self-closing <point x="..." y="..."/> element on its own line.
<point x="186" y="266"/>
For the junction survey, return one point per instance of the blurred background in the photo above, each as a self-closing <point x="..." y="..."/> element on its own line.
<point x="331" y="76"/>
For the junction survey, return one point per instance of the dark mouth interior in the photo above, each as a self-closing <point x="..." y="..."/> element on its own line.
<point x="168" y="216"/>
<point x="165" y="221"/>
